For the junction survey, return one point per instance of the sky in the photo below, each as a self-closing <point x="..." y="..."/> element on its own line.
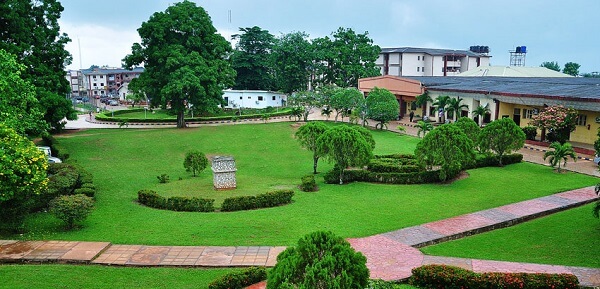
<point x="552" y="30"/>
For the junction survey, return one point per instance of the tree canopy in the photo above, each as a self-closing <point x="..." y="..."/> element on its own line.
<point x="571" y="68"/>
<point x="185" y="60"/>
<point x="551" y="65"/>
<point x="344" y="100"/>
<point x="293" y="62"/>
<point x="29" y="30"/>
<point x="560" y="152"/>
<point x="469" y="127"/>
<point x="558" y="120"/>
<point x="252" y="59"/>
<point x="382" y="106"/>
<point x="501" y="137"/>
<point x="306" y="101"/>
<point x="307" y="135"/>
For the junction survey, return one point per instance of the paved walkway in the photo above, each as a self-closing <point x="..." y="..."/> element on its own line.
<point x="390" y="256"/>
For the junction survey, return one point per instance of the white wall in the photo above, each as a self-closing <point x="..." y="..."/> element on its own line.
<point x="253" y="98"/>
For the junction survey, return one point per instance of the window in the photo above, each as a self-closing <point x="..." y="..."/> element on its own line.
<point x="94" y="77"/>
<point x="423" y="69"/>
<point x="102" y="84"/>
<point x="101" y="76"/>
<point x="260" y="98"/>
<point x="527" y="113"/>
<point x="418" y="68"/>
<point x="273" y="97"/>
<point x="240" y="97"/>
<point x="581" y="119"/>
<point x="418" y="57"/>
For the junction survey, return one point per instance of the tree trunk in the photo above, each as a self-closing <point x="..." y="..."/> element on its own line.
<point x="315" y="162"/>
<point x="181" y="119"/>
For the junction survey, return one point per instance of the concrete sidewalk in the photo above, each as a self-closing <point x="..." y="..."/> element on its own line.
<point x="390" y="256"/>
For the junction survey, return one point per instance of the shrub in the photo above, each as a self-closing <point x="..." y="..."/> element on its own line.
<point x="392" y="165"/>
<point x="163" y="178"/>
<point x="450" y="277"/>
<point x="71" y="209"/>
<point x="308" y="184"/>
<point x="266" y="200"/>
<point x="530" y="132"/>
<point x="239" y="279"/>
<point x="195" y="162"/>
<point x="420" y="177"/>
<point x="320" y="260"/>
<point x="90" y="192"/>
<point x="152" y="199"/>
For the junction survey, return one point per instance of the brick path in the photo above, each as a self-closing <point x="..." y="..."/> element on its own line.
<point x="390" y="256"/>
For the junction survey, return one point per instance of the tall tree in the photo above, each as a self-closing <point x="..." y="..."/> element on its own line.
<point x="455" y="107"/>
<point x="307" y="135"/>
<point x="551" y="65"/>
<point x="344" y="100"/>
<point x="441" y="103"/>
<point x="185" y="60"/>
<point x="501" y="137"/>
<point x="346" y="57"/>
<point x="344" y="146"/>
<point x="571" y="68"/>
<point x="382" y="106"/>
<point x="29" y="30"/>
<point x="252" y="59"/>
<point x="560" y="152"/>
<point x="292" y="62"/>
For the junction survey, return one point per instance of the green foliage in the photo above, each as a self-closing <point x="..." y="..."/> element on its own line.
<point x="571" y="68"/>
<point x="422" y="99"/>
<point x="450" y="277"/>
<point x="308" y="183"/>
<point x="480" y="113"/>
<point x="501" y="136"/>
<point x="292" y="59"/>
<point x="530" y="132"/>
<point x="90" y="192"/>
<point x="267" y="200"/>
<point x="448" y="147"/>
<point x="163" y="178"/>
<point x="251" y="59"/>
<point x="345" y="146"/>
<point x="560" y="152"/>
<point x="71" y="209"/>
<point x="455" y="107"/>
<point x="185" y="60"/>
<point x="423" y="127"/>
<point x="320" y="260"/>
<point x="307" y="135"/>
<point x="469" y="127"/>
<point x="382" y="106"/>
<point x="553" y="65"/>
<point x="344" y="100"/>
<point x="305" y="101"/>
<point x="441" y="103"/>
<point x="420" y="177"/>
<point x="195" y="162"/>
<point x="240" y="279"/>
<point x="154" y="200"/>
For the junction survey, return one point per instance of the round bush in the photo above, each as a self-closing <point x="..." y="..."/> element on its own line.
<point x="71" y="209"/>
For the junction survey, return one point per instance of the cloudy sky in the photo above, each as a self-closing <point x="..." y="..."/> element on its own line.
<point x="552" y="30"/>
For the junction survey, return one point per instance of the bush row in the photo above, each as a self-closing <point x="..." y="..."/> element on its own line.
<point x="384" y="166"/>
<point x="267" y="200"/>
<point x="241" y="279"/>
<point x="64" y="180"/>
<point x="450" y="277"/>
<point x="103" y="117"/>
<point x="152" y="199"/>
<point x="482" y="161"/>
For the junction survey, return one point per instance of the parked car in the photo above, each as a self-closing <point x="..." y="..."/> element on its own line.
<point x="48" y="152"/>
<point x="113" y="103"/>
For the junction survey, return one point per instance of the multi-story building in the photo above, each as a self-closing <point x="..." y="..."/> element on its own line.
<point x="73" y="78"/>
<point x="106" y="81"/>
<point x="411" y="61"/>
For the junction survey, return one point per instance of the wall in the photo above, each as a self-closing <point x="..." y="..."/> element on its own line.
<point x="251" y="99"/>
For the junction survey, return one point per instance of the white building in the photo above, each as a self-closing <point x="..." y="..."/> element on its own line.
<point x="253" y="98"/>
<point x="411" y="61"/>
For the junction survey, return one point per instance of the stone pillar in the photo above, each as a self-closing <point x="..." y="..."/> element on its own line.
<point x="223" y="168"/>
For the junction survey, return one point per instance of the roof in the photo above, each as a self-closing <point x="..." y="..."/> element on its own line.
<point x="568" y="88"/>
<point x="432" y="51"/>
<point x="92" y="71"/>
<point x="513" y="71"/>
<point x="397" y="85"/>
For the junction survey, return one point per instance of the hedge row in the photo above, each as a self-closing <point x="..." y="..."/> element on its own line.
<point x="103" y="117"/>
<point x="240" y="279"/>
<point x="482" y="161"/>
<point x="450" y="277"/>
<point x="267" y="200"/>
<point x="152" y="199"/>
<point x="386" y="166"/>
<point x="65" y="179"/>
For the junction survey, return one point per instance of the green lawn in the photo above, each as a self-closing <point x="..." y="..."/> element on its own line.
<point x="268" y="158"/>
<point x="567" y="238"/>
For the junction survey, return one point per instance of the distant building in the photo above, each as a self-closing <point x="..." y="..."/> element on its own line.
<point x="74" y="82"/>
<point x="411" y="61"/>
<point x="253" y="98"/>
<point x="513" y="71"/>
<point x="106" y="81"/>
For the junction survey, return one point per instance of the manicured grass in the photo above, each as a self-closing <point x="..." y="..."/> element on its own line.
<point x="92" y="276"/>
<point x="567" y="238"/>
<point x="267" y="158"/>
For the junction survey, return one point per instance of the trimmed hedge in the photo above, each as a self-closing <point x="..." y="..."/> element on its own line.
<point x="308" y="184"/>
<point x="450" y="277"/>
<point x="239" y="280"/>
<point x="152" y="199"/>
<point x="103" y="117"/>
<point x="267" y="200"/>
<point x="90" y="192"/>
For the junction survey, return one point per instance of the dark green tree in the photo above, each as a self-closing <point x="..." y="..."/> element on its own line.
<point x="252" y="59"/>
<point x="455" y="107"/>
<point x="553" y="65"/>
<point x="320" y="260"/>
<point x="560" y="153"/>
<point x="307" y="135"/>
<point x="446" y="147"/>
<point x="195" y="162"/>
<point x="501" y="137"/>
<point x="292" y="62"/>
<point x="571" y="68"/>
<point x="29" y="30"/>
<point x="344" y="146"/>
<point x="185" y="60"/>
<point x="382" y="106"/>
<point x="423" y="127"/>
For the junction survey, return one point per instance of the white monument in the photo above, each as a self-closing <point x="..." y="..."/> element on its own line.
<point x="223" y="168"/>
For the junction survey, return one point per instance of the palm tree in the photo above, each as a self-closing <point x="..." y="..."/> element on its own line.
<point x="480" y="112"/>
<point x="441" y="102"/>
<point x="424" y="127"/>
<point x="560" y="152"/>
<point x="422" y="100"/>
<point x="455" y="107"/>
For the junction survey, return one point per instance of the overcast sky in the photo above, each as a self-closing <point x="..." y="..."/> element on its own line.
<point x="552" y="30"/>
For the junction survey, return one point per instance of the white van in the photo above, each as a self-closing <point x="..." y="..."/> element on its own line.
<point x="48" y="152"/>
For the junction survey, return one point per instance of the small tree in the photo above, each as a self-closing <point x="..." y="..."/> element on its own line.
<point x="501" y="136"/>
<point x="344" y="100"/>
<point x="560" y="153"/>
<point x="455" y="107"/>
<point x="480" y="113"/>
<point x="307" y="135"/>
<point x="195" y="162"/>
<point x="424" y="127"/>
<point x="320" y="260"/>
<point x="344" y="146"/>
<point x="469" y="127"/>
<point x="421" y="101"/>
<point x="441" y="102"/>
<point x="382" y="106"/>
<point x="71" y="209"/>
<point x="558" y="120"/>
<point x="447" y="147"/>
<point x="571" y="68"/>
<point x="553" y="65"/>
<point x="306" y="100"/>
